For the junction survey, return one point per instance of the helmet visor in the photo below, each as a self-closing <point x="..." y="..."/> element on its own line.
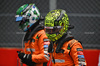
<point x="23" y="23"/>
<point x="52" y="30"/>
<point x="19" y="19"/>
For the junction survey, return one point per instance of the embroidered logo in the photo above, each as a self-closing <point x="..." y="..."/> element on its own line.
<point x="37" y="37"/>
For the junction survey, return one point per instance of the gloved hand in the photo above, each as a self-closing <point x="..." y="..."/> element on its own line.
<point x="20" y="54"/>
<point x="25" y="58"/>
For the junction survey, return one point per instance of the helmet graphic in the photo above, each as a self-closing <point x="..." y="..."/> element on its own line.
<point x="56" y="24"/>
<point x="27" y="15"/>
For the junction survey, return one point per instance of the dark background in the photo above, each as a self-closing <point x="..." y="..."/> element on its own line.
<point x="83" y="14"/>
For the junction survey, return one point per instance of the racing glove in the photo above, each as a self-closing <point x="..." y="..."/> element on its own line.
<point x="25" y="58"/>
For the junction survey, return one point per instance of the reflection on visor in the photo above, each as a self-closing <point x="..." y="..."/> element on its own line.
<point x="52" y="30"/>
<point x="19" y="18"/>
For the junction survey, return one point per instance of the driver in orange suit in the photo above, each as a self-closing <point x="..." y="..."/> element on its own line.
<point x="64" y="49"/>
<point x="36" y="42"/>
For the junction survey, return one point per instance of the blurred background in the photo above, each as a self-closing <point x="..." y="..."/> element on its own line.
<point x="83" y="14"/>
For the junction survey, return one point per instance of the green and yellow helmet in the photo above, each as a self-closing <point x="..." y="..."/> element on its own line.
<point x="56" y="24"/>
<point x="27" y="15"/>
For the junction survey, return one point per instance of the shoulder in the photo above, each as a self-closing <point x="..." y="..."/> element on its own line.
<point x="41" y="32"/>
<point x="74" y="43"/>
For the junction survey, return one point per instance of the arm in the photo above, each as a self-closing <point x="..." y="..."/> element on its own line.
<point x="77" y="54"/>
<point x="27" y="48"/>
<point x="43" y="46"/>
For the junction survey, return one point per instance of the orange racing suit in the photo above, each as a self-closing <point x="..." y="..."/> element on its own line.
<point x="38" y="47"/>
<point x="71" y="56"/>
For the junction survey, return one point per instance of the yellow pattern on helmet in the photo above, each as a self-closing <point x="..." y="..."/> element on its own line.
<point x="56" y="18"/>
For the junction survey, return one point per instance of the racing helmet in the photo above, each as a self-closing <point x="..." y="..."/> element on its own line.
<point x="27" y="15"/>
<point x="56" y="24"/>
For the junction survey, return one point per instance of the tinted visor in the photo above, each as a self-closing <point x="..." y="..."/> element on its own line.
<point x="52" y="30"/>
<point x="23" y="23"/>
<point x="24" y="20"/>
